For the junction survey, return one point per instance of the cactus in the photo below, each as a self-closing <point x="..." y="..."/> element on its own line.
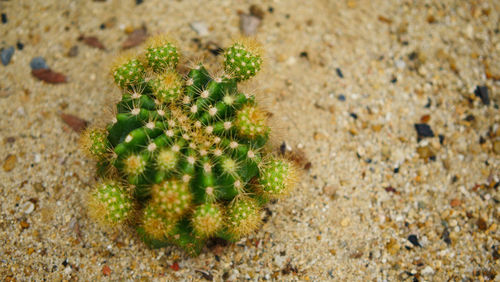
<point x="185" y="159"/>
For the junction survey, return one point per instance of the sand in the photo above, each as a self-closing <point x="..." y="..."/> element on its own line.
<point x="346" y="81"/>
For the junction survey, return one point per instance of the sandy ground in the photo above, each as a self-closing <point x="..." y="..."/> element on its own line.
<point x="376" y="204"/>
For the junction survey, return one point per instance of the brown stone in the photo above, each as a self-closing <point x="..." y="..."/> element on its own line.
<point x="9" y="163"/>
<point x="481" y="224"/>
<point x="496" y="147"/>
<point x="455" y="203"/>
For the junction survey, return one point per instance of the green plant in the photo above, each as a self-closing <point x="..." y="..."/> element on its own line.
<point x="185" y="159"/>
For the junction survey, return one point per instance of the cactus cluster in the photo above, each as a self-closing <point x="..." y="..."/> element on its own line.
<point x="185" y="159"/>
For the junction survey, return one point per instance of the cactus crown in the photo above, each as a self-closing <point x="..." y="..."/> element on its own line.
<point x="190" y="150"/>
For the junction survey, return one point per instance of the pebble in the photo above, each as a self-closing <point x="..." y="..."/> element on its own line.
<point x="400" y="64"/>
<point x="136" y="37"/>
<point x="279" y="261"/>
<point x="481" y="224"/>
<point x="9" y="163"/>
<point x="6" y="55"/>
<point x="482" y="93"/>
<point x="73" y="51"/>
<point x="200" y="28"/>
<point x="257" y="11"/>
<point x="106" y="270"/>
<point x="425" y="118"/>
<point x="49" y="76"/>
<point x="28" y="207"/>
<point x="455" y="203"/>
<point x="39" y="187"/>
<point x="341" y="97"/>
<point x="24" y="224"/>
<point x="423" y="130"/>
<point x="446" y="236"/>
<point x="414" y="240"/>
<point x="38" y="63"/>
<point x="19" y="45"/>
<point x="339" y="73"/>
<point x="214" y="48"/>
<point x="249" y="24"/>
<point x="68" y="270"/>
<point x="76" y="123"/>
<point x="92" y="41"/>
<point x="427" y="271"/>
<point x="425" y="152"/>
<point x="4" y="18"/>
<point x="496" y="147"/>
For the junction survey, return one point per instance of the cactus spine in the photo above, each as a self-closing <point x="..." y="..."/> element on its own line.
<point x="190" y="150"/>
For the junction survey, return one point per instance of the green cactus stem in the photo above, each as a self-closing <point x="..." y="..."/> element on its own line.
<point x="111" y="203"/>
<point x="192" y="150"/>
<point x="242" y="60"/>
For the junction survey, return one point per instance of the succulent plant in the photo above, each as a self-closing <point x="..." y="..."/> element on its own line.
<point x="185" y="159"/>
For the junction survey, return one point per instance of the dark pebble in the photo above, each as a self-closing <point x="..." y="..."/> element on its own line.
<point x="19" y="45"/>
<point x="341" y="97"/>
<point x="482" y="140"/>
<point x="270" y="9"/>
<point x="268" y="215"/>
<point x="390" y="189"/>
<point x="353" y="115"/>
<point x="394" y="80"/>
<point x="396" y="169"/>
<point x="304" y="54"/>
<point x="482" y="92"/>
<point x="102" y="26"/>
<point x="339" y="73"/>
<point x="4" y="18"/>
<point x="446" y="236"/>
<point x="6" y="55"/>
<point x="256" y="11"/>
<point x="495" y="255"/>
<point x="441" y="139"/>
<point x="38" y="63"/>
<point x="412" y="56"/>
<point x="470" y="118"/>
<point x="481" y="224"/>
<point x="429" y="103"/>
<point x="214" y="48"/>
<point x="283" y="148"/>
<point x="414" y="240"/>
<point x="65" y="262"/>
<point x="138" y="2"/>
<point x="423" y="130"/>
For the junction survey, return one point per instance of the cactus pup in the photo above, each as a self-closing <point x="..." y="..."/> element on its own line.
<point x="185" y="158"/>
